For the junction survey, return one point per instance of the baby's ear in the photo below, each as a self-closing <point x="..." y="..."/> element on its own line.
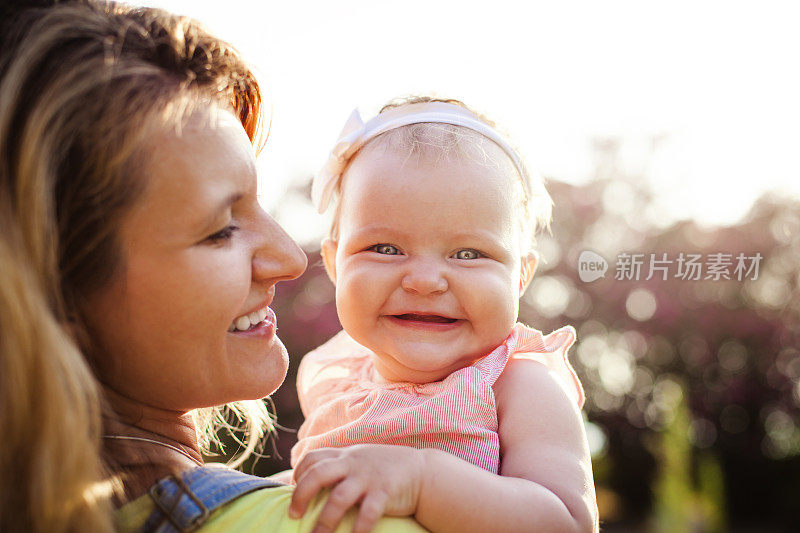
<point x="527" y="270"/>
<point x="329" y="247"/>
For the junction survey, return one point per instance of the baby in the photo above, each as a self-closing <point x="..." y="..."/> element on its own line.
<point x="430" y="251"/>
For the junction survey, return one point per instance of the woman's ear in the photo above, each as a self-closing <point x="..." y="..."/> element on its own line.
<point x="328" y="252"/>
<point x="527" y="269"/>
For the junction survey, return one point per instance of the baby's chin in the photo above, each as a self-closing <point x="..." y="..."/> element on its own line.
<point x="423" y="365"/>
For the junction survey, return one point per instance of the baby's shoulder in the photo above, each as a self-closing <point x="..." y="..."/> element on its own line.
<point x="340" y="346"/>
<point x="541" y="363"/>
<point x="533" y="341"/>
<point x="337" y="359"/>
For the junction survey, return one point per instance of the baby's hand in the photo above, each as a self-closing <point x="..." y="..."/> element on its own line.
<point x="381" y="479"/>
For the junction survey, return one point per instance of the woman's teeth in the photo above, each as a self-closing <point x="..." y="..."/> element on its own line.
<point x="245" y="322"/>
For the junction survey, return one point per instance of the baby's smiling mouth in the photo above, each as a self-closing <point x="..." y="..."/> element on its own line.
<point x="436" y="319"/>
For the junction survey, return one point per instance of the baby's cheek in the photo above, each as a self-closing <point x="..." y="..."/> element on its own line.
<point x="499" y="304"/>
<point x="355" y="299"/>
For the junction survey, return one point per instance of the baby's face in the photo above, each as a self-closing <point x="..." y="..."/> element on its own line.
<point x="428" y="265"/>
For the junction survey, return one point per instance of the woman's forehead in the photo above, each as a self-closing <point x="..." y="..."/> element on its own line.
<point x="191" y="172"/>
<point x="208" y="147"/>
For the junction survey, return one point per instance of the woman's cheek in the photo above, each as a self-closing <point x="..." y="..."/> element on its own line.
<point x="228" y="271"/>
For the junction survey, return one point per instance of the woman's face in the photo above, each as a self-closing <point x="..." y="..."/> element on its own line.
<point x="185" y="322"/>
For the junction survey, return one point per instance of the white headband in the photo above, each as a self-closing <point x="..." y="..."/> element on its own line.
<point x="356" y="133"/>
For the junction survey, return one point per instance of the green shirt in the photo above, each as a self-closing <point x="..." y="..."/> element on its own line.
<point x="262" y="510"/>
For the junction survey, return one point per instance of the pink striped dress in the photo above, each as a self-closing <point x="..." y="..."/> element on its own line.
<point x="346" y="402"/>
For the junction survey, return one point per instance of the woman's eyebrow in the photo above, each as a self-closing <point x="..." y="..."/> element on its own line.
<point x="213" y="217"/>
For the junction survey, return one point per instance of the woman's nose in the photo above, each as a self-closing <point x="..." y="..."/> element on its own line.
<point x="424" y="277"/>
<point x="277" y="257"/>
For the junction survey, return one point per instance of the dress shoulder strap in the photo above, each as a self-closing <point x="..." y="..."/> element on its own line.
<point x="185" y="501"/>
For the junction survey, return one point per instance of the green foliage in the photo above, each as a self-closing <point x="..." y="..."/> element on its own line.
<point x="681" y="505"/>
<point x="674" y="497"/>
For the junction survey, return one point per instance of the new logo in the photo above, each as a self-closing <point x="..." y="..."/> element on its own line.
<point x="591" y="266"/>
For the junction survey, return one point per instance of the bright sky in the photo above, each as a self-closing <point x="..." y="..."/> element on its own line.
<point x="714" y="77"/>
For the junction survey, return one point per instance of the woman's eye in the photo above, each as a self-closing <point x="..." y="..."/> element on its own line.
<point x="467" y="254"/>
<point x="385" y="249"/>
<point x="222" y="235"/>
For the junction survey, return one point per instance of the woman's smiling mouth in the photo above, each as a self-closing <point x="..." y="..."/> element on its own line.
<point x="259" y="321"/>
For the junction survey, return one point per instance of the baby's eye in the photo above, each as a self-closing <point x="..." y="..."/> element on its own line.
<point x="385" y="249"/>
<point x="467" y="253"/>
<point x="222" y="235"/>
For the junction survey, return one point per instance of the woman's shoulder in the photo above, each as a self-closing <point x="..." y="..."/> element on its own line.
<point x="267" y="510"/>
<point x="132" y="516"/>
<point x="262" y="510"/>
<point x="189" y="498"/>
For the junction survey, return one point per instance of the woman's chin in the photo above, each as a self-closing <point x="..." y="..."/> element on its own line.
<point x="264" y="376"/>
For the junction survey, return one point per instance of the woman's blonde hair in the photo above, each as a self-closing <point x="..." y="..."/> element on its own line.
<point x="83" y="85"/>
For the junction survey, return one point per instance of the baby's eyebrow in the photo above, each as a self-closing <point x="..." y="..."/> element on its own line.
<point x="481" y="234"/>
<point x="377" y="229"/>
<point x="486" y="239"/>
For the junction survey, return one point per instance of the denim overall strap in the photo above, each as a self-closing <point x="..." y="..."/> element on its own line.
<point x="185" y="501"/>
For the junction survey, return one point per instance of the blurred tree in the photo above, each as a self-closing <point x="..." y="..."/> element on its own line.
<point x="732" y="343"/>
<point x="679" y="506"/>
<point x="674" y="501"/>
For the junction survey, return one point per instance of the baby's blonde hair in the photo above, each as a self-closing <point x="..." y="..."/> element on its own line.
<point x="437" y="140"/>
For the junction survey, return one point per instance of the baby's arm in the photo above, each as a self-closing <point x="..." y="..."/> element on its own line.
<point x="546" y="482"/>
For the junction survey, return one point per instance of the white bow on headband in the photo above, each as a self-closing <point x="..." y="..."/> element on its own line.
<point x="356" y="133"/>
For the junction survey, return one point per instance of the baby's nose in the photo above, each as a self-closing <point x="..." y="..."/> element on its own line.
<point x="424" y="277"/>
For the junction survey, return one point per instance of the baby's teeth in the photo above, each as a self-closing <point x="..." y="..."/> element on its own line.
<point x="262" y="314"/>
<point x="232" y="327"/>
<point x="242" y="323"/>
<point x="254" y="317"/>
